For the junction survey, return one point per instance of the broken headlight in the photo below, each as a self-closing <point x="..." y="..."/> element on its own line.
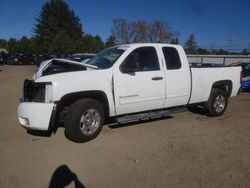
<point x="37" y="91"/>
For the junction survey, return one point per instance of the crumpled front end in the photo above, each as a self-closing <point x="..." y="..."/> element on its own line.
<point x="36" y="108"/>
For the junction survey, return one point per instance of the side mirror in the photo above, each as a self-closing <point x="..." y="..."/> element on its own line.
<point x="129" y="67"/>
<point x="126" y="70"/>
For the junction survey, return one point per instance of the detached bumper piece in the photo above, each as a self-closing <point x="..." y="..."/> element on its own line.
<point x="35" y="116"/>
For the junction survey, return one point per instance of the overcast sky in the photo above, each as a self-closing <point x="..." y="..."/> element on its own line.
<point x="214" y="22"/>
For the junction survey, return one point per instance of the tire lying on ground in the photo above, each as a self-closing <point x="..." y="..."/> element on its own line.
<point x="84" y="120"/>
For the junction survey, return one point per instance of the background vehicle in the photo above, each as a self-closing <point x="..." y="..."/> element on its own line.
<point x="20" y="59"/>
<point x="3" y="57"/>
<point x="43" y="57"/>
<point x="127" y="83"/>
<point x="245" y="83"/>
<point x="81" y="57"/>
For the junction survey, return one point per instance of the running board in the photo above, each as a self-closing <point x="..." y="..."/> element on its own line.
<point x="149" y="115"/>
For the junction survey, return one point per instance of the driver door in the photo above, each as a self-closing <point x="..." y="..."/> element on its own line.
<point x="139" y="84"/>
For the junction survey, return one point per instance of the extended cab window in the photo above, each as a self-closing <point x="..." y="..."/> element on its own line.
<point x="141" y="59"/>
<point x="172" y="58"/>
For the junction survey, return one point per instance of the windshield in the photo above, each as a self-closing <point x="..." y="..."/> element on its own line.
<point x="106" y="58"/>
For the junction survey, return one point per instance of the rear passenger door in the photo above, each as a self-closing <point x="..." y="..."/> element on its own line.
<point x="177" y="74"/>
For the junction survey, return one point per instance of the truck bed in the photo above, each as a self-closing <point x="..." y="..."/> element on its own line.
<point x="204" y="77"/>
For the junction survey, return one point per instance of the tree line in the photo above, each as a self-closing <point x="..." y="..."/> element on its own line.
<point x="191" y="47"/>
<point x="58" y="30"/>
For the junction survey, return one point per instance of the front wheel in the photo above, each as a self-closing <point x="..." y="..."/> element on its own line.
<point x="217" y="102"/>
<point x="84" y="120"/>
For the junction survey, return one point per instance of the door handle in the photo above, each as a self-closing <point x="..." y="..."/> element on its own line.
<point x="157" y="78"/>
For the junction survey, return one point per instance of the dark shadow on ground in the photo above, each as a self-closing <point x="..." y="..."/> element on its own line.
<point x="39" y="133"/>
<point x="245" y="91"/>
<point x="63" y="176"/>
<point x="118" y="125"/>
<point x="198" y="110"/>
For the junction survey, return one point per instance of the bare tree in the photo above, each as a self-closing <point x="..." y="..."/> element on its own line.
<point x="142" y="31"/>
<point x="161" y="32"/>
<point x="120" y="30"/>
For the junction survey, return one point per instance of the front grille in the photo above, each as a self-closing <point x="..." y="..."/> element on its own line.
<point x="33" y="92"/>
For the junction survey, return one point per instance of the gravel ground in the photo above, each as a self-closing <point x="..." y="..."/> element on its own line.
<point x="183" y="150"/>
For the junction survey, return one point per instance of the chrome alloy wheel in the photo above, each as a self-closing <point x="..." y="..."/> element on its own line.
<point x="90" y="121"/>
<point x="219" y="103"/>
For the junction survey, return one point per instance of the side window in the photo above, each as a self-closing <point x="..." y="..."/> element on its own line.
<point x="141" y="59"/>
<point x="172" y="58"/>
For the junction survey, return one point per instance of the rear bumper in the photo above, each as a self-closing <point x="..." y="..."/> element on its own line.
<point x="35" y="116"/>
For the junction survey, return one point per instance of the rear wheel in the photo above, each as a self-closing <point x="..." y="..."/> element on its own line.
<point x="84" y="120"/>
<point x="217" y="102"/>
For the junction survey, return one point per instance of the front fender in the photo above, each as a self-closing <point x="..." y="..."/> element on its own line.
<point x="82" y="81"/>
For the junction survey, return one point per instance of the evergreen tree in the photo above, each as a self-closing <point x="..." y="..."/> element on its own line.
<point x="191" y="45"/>
<point x="12" y="45"/>
<point x="24" y="45"/>
<point x="3" y="43"/>
<point x="110" y="41"/>
<point x="54" y="22"/>
<point x="90" y="44"/>
<point x="222" y="52"/>
<point x="62" y="43"/>
<point x="245" y="52"/>
<point x="175" y="41"/>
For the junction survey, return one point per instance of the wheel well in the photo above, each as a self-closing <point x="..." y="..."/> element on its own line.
<point x="225" y="85"/>
<point x="70" y="98"/>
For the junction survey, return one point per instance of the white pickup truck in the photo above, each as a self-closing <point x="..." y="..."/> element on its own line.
<point x="126" y="83"/>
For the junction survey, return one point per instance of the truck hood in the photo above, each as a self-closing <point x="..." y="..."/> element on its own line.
<point x="56" y="66"/>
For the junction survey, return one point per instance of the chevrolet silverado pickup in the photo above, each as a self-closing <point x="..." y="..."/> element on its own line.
<point x="126" y="83"/>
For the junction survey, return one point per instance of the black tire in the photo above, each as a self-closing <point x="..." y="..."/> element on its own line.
<point x="77" y="126"/>
<point x="217" y="102"/>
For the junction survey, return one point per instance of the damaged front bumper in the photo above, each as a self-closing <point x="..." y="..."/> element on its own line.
<point x="35" y="116"/>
